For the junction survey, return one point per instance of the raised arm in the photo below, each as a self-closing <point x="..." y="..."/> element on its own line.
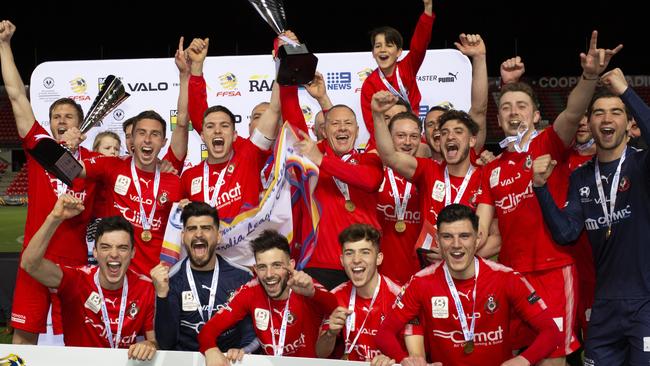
<point x="472" y="46"/>
<point x="32" y="261"/>
<point x="615" y="81"/>
<point x="179" y="138"/>
<point x="593" y="64"/>
<point x="197" y="95"/>
<point x="318" y="91"/>
<point x="268" y="123"/>
<point x="511" y="70"/>
<point x="421" y="37"/>
<point x="402" y="163"/>
<point x="13" y="83"/>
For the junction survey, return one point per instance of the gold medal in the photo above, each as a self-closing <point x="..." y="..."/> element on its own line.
<point x="400" y="226"/>
<point x="609" y="233"/>
<point x="468" y="347"/>
<point x="345" y="356"/>
<point x="349" y="205"/>
<point x="145" y="235"/>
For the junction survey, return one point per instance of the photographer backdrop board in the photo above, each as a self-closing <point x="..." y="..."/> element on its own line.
<point x="237" y="82"/>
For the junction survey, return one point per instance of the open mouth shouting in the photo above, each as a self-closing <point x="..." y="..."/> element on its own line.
<point x="515" y="125"/>
<point x="607" y="132"/>
<point x="358" y="273"/>
<point x="457" y="255"/>
<point x="147" y="152"/>
<point x="452" y="150"/>
<point x="113" y="268"/>
<point x="61" y="130"/>
<point x="199" y="248"/>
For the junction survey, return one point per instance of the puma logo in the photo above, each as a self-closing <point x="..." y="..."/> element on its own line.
<point x="146" y="182"/>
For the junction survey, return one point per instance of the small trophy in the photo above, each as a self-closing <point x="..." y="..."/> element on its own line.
<point x="58" y="160"/>
<point x="110" y="95"/>
<point x="295" y="65"/>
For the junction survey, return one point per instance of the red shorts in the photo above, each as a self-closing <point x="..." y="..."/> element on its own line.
<point x="32" y="300"/>
<point x="557" y="288"/>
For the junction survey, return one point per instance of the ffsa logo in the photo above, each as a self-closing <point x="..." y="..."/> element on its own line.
<point x="228" y="82"/>
<point x="339" y="80"/>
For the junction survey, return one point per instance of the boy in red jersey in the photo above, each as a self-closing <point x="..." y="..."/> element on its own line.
<point x="398" y="77"/>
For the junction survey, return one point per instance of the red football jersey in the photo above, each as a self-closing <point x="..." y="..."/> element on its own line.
<point x="527" y="245"/>
<point x="104" y="201"/>
<point x="115" y="173"/>
<point x="365" y="348"/>
<point x="241" y="189"/>
<point x="499" y="291"/>
<point x="400" y="262"/>
<point x="83" y="325"/>
<point x="303" y="319"/>
<point x="363" y="174"/>
<point x="69" y="239"/>
<point x="429" y="177"/>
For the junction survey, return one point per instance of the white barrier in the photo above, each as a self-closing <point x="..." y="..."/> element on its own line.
<point x="238" y="82"/>
<point x="79" y="356"/>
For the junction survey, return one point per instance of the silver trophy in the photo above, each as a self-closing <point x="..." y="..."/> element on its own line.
<point x="295" y="65"/>
<point x="110" y="95"/>
<point x="57" y="159"/>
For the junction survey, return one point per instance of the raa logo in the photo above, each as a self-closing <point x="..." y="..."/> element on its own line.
<point x="78" y="85"/>
<point x="12" y="360"/>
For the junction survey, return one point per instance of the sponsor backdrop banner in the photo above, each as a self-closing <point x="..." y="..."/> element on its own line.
<point x="237" y="82"/>
<point x="22" y="355"/>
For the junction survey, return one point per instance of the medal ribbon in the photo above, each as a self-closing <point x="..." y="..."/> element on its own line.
<point x="146" y="223"/>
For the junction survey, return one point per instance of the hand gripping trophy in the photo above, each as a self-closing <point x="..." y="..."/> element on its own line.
<point x="295" y="65"/>
<point x="58" y="160"/>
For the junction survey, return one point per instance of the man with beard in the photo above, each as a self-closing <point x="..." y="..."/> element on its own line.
<point x="32" y="300"/>
<point x="286" y="306"/>
<point x="465" y="304"/>
<point x="107" y="305"/>
<point x="507" y="191"/>
<point x="364" y="301"/>
<point x="193" y="290"/>
<point x="472" y="46"/>
<point x="608" y="197"/>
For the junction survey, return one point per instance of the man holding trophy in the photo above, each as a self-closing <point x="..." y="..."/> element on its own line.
<point x="68" y="246"/>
